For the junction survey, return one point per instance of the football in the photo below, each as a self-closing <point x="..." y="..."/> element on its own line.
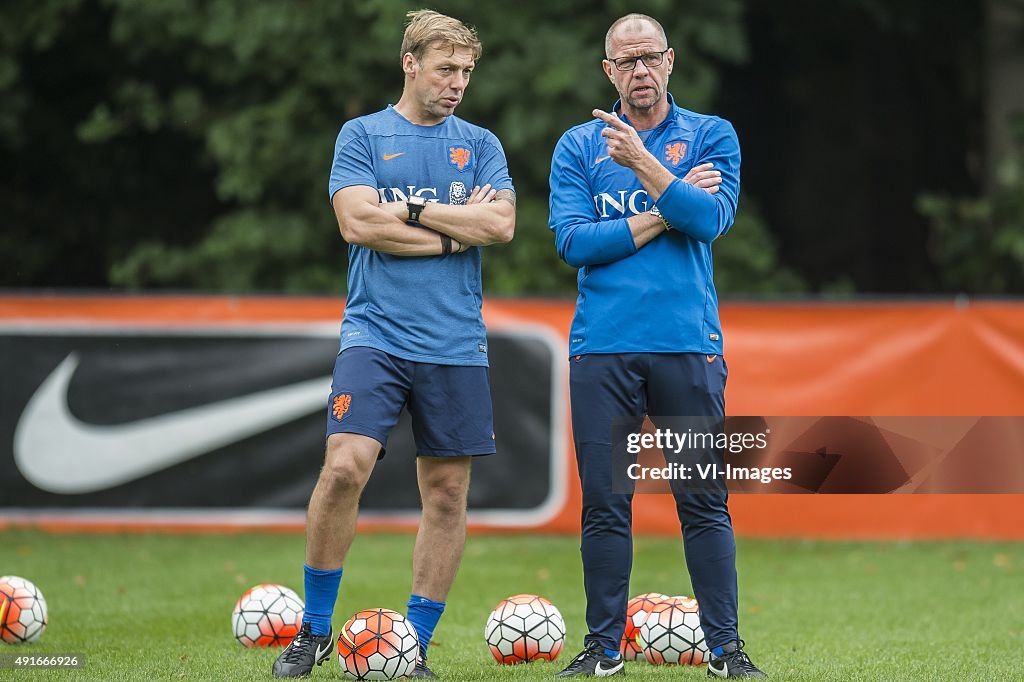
<point x="525" y="628"/>
<point x="267" y="615"/>
<point x="22" y="611"/>
<point x="671" y="633"/>
<point x="377" y="644"/>
<point x="636" y="612"/>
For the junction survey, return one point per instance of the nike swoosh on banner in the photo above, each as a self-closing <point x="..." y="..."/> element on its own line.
<point x="388" y="157"/>
<point x="601" y="671"/>
<point x="61" y="454"/>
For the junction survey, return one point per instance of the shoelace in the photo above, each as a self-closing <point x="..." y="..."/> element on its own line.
<point x="739" y="659"/>
<point x="302" y="642"/>
<point x="583" y="654"/>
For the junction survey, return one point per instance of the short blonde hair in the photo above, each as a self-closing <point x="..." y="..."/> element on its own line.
<point x="426" y="27"/>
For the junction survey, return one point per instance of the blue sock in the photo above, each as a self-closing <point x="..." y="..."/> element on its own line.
<point x="321" y="593"/>
<point x="424" y="614"/>
<point x="717" y="652"/>
<point x="612" y="654"/>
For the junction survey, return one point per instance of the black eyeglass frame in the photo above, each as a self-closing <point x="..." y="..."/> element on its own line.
<point x="620" y="62"/>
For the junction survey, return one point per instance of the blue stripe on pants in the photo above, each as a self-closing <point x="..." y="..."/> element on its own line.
<point x="606" y="387"/>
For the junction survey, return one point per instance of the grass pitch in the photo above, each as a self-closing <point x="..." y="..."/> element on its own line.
<point x="152" y="607"/>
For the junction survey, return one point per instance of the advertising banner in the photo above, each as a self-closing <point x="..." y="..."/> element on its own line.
<point x="209" y="412"/>
<point x="164" y="420"/>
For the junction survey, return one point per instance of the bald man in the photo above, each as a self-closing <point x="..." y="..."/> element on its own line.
<point x="638" y="196"/>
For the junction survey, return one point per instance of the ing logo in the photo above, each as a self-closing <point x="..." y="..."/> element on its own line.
<point x="340" y="405"/>
<point x="674" y="152"/>
<point x="460" y="157"/>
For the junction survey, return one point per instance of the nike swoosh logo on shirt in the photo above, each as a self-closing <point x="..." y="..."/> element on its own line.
<point x="388" y="157"/>
<point x="58" y="453"/>
<point x="600" y="159"/>
<point x="601" y="671"/>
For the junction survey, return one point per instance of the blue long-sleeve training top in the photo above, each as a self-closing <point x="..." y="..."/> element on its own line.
<point x="660" y="298"/>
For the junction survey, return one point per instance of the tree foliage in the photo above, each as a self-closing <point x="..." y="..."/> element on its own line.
<point x="185" y="144"/>
<point x="979" y="241"/>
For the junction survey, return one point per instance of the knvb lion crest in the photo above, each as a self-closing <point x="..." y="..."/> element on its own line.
<point x="457" y="194"/>
<point x="340" y="405"/>
<point x="674" y="152"/>
<point x="461" y="158"/>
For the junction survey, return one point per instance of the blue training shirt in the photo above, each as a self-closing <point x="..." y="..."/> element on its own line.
<point x="660" y="298"/>
<point x="424" y="309"/>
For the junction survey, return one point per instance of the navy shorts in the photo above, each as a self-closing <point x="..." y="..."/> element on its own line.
<point x="450" y="404"/>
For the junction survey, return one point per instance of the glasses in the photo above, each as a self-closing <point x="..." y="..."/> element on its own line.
<point x="650" y="60"/>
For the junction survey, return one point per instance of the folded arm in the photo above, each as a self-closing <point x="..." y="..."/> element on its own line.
<point x="365" y="222"/>
<point x="702" y="204"/>
<point x="701" y="214"/>
<point x="487" y="217"/>
<point x="581" y="237"/>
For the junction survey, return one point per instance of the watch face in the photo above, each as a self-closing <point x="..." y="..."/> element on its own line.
<point x="655" y="211"/>
<point x="417" y="201"/>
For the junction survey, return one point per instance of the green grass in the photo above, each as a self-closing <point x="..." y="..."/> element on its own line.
<point x="150" y="607"/>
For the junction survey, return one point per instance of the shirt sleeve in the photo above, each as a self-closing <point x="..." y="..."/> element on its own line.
<point x="692" y="210"/>
<point x="580" y="237"/>
<point x="492" y="166"/>
<point x="353" y="164"/>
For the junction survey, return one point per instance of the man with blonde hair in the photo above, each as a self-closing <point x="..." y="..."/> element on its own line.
<point x="637" y="197"/>
<point x="413" y="335"/>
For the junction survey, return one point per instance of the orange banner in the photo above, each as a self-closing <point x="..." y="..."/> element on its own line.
<point x="786" y="359"/>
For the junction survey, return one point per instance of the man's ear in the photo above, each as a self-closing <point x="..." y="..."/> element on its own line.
<point x="409" y="64"/>
<point x="608" y="66"/>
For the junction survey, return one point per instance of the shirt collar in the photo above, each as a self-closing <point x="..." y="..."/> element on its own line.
<point x="391" y="108"/>
<point x="617" y="108"/>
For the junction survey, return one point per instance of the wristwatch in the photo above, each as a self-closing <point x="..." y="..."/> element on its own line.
<point x="656" y="212"/>
<point x="415" y="205"/>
